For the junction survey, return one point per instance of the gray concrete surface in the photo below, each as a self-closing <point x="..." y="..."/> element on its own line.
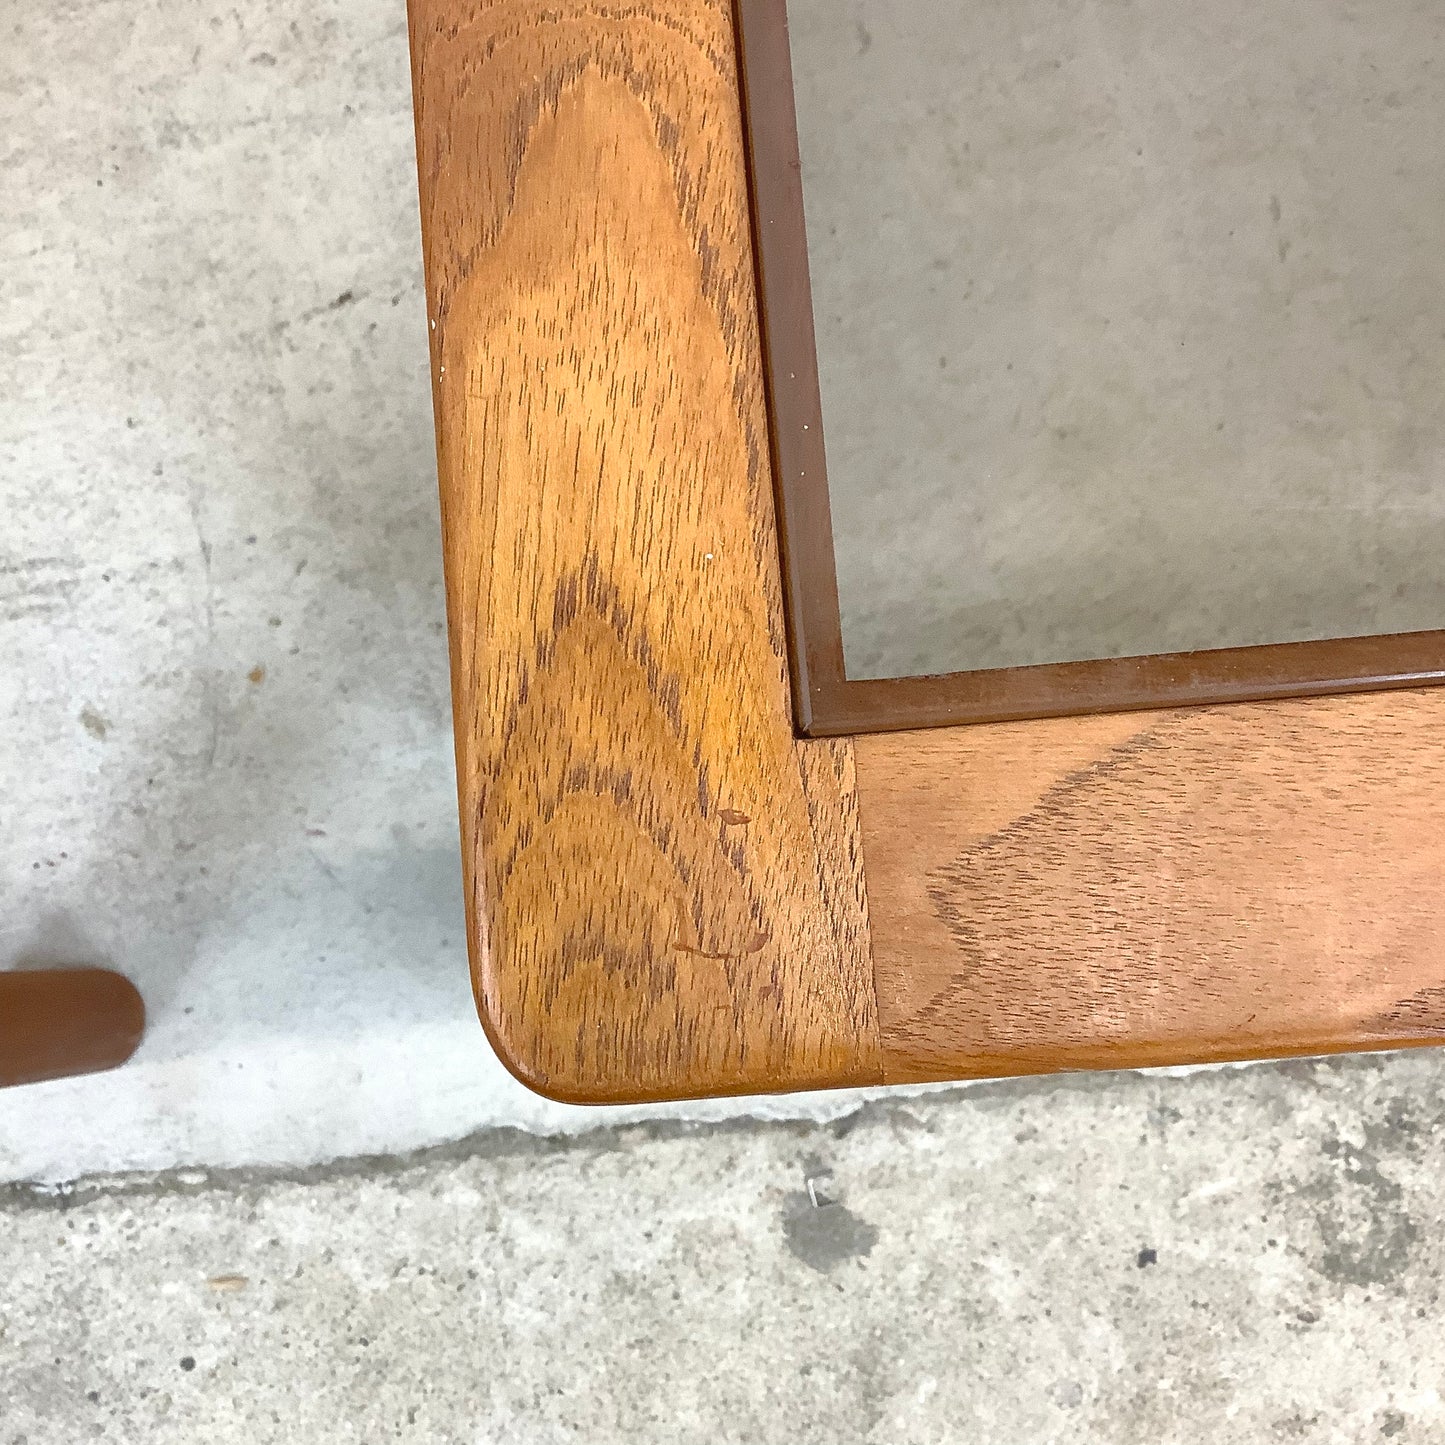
<point x="226" y="767"/>
<point x="1251" y="1255"/>
<point x="1130" y="321"/>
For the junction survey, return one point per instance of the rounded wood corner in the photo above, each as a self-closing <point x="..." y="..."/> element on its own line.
<point x="58" y="1023"/>
<point x="593" y="1046"/>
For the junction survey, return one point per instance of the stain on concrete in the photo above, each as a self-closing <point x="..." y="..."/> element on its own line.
<point x="96" y="725"/>
<point x="825" y="1234"/>
<point x="35" y="587"/>
<point x="1366" y="1234"/>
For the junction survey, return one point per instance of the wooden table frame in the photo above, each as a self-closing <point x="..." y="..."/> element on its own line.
<point x="56" y="1023"/>
<point x="670" y="892"/>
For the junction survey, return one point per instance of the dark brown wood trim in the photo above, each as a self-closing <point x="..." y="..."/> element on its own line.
<point x="1131" y="684"/>
<point x="827" y="702"/>
<point x="790" y="353"/>
<point x="58" y="1022"/>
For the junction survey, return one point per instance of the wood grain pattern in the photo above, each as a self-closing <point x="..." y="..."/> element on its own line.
<point x="664" y="887"/>
<point x="1225" y="883"/>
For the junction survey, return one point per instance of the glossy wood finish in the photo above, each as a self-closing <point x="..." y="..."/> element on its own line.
<point x="828" y="702"/>
<point x="663" y="884"/>
<point x="59" y="1022"/>
<point x="665" y="888"/>
<point x="1186" y="886"/>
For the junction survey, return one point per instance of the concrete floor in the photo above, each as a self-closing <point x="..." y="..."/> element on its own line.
<point x="227" y="772"/>
<point x="1241" y="1255"/>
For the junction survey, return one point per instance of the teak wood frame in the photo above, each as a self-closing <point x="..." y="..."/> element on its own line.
<point x="669" y="892"/>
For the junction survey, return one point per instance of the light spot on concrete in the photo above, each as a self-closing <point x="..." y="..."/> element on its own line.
<point x="1067" y="1394"/>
